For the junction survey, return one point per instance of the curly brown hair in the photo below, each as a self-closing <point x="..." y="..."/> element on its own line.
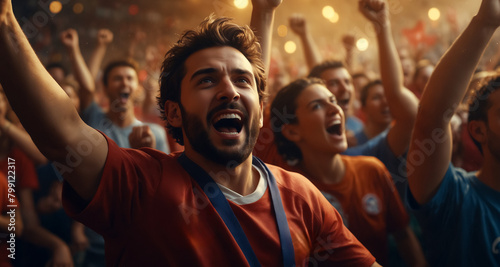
<point x="478" y="100"/>
<point x="212" y="32"/>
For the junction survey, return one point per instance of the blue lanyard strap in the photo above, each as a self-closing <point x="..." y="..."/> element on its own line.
<point x="283" y="229"/>
<point x="222" y="207"/>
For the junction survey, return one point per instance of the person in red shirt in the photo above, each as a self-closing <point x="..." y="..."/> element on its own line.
<point x="360" y="187"/>
<point x="177" y="210"/>
<point x="15" y="146"/>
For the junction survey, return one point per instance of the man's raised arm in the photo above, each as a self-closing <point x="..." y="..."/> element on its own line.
<point x="430" y="147"/>
<point x="298" y="25"/>
<point x="45" y="110"/>
<point x="262" y="24"/>
<point x="402" y="102"/>
<point x="70" y="40"/>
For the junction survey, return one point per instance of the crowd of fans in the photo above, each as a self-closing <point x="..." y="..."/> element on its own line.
<point x="315" y="100"/>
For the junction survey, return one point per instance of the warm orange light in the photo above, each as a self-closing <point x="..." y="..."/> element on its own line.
<point x="290" y="47"/>
<point x="77" y="8"/>
<point x="362" y="44"/>
<point x="240" y="4"/>
<point x="335" y="18"/>
<point x="282" y="31"/>
<point x="55" y="7"/>
<point x="434" y="14"/>
<point x="328" y="12"/>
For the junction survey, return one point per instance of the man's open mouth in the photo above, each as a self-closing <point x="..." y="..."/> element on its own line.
<point x="124" y="97"/>
<point x="228" y="123"/>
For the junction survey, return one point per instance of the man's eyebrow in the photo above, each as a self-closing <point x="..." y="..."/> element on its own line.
<point x="202" y="71"/>
<point x="242" y="71"/>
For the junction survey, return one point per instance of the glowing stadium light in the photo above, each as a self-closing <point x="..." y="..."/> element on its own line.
<point x="362" y="44"/>
<point x="290" y="47"/>
<point x="335" y="18"/>
<point x="55" y="7"/>
<point x="434" y="14"/>
<point x="328" y="12"/>
<point x="77" y="8"/>
<point x="282" y="31"/>
<point x="240" y="4"/>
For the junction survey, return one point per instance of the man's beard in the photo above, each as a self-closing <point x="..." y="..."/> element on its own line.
<point x="200" y="142"/>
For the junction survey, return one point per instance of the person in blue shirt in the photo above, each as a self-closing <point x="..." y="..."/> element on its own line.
<point x="459" y="211"/>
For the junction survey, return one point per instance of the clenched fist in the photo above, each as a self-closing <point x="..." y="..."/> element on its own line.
<point x="142" y="136"/>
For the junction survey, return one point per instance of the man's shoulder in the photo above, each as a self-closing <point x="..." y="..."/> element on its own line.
<point x="294" y="184"/>
<point x="458" y="176"/>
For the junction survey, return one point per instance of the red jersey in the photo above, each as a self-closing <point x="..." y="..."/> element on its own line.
<point x="368" y="203"/>
<point x="151" y="213"/>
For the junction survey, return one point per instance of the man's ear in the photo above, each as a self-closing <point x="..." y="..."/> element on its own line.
<point x="173" y="113"/>
<point x="291" y="132"/>
<point x="477" y="130"/>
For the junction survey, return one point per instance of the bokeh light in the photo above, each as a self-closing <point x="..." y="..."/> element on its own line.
<point x="335" y="18"/>
<point x="328" y="12"/>
<point x="133" y="10"/>
<point x="290" y="47"/>
<point x="241" y="4"/>
<point x="434" y="14"/>
<point x="282" y="31"/>
<point x="55" y="7"/>
<point x="77" y="8"/>
<point x="362" y="44"/>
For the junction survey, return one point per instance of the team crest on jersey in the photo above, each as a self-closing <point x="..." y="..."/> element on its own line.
<point x="336" y="204"/>
<point x="371" y="203"/>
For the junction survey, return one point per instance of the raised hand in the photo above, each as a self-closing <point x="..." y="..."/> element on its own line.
<point x="266" y="3"/>
<point x="489" y="13"/>
<point x="142" y="136"/>
<point x="375" y="10"/>
<point x="348" y="41"/>
<point x="69" y="38"/>
<point x="5" y="8"/>
<point x="104" y="37"/>
<point x="298" y="24"/>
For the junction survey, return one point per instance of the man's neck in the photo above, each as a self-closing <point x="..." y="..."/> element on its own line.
<point x="122" y="118"/>
<point x="488" y="174"/>
<point x="243" y="179"/>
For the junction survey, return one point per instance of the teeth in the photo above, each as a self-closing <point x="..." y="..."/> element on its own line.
<point x="228" y="116"/>
<point x="335" y="122"/>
